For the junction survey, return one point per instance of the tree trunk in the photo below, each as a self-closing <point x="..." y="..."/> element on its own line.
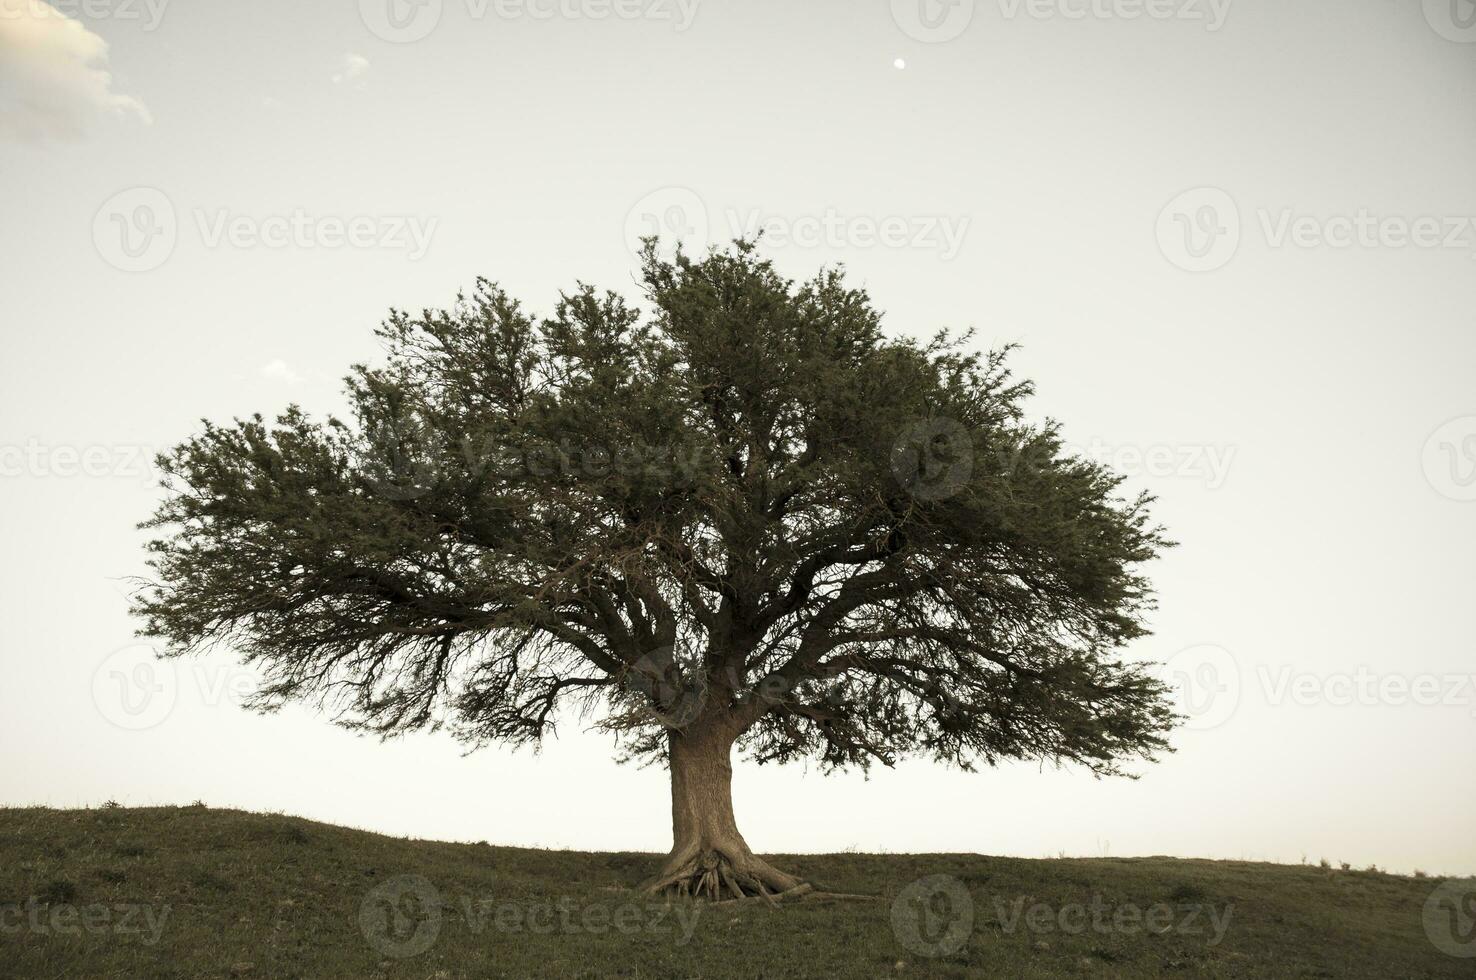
<point x="709" y="857"/>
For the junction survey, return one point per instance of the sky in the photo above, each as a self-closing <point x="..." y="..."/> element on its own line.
<point x="1234" y="240"/>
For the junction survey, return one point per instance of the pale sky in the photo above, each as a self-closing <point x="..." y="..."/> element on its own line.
<point x="1234" y="239"/>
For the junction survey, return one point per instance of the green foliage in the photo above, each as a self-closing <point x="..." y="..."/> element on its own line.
<point x="747" y="507"/>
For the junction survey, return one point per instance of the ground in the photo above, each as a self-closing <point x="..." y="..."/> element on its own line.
<point x="199" y="892"/>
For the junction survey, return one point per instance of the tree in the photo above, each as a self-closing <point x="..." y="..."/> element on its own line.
<point x="748" y="519"/>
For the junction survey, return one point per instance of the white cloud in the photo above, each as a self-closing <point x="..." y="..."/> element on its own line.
<point x="352" y="70"/>
<point x="278" y="370"/>
<point x="54" y="81"/>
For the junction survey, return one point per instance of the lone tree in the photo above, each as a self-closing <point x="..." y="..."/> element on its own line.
<point x="749" y="518"/>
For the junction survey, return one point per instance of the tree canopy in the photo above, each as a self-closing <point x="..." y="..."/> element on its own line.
<point x="741" y="504"/>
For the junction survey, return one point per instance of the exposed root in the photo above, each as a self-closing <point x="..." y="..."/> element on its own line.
<point x="720" y="877"/>
<point x="805" y="892"/>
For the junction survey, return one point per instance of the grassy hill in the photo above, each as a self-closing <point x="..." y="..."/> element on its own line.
<point x="196" y="892"/>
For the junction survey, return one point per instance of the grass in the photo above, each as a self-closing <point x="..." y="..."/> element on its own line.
<point x="196" y="892"/>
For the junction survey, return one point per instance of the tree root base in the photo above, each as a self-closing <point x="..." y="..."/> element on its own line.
<point x="716" y="877"/>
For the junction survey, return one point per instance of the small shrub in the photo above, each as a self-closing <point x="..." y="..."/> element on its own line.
<point x="112" y="805"/>
<point x="1345" y="865"/>
<point x="58" y="891"/>
<point x="210" y="881"/>
<point x="1323" y="864"/>
<point x="1186" y="893"/>
<point x="1420" y="874"/>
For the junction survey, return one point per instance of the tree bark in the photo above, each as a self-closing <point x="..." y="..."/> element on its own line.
<point x="709" y="857"/>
